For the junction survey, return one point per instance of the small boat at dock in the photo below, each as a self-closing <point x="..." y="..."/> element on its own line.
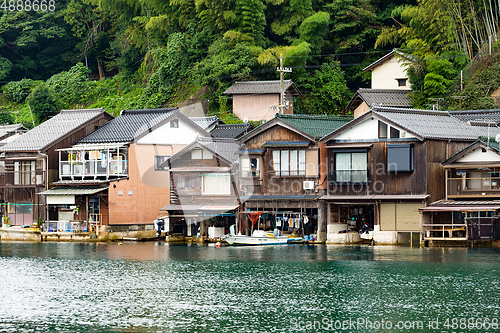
<point x="259" y="237"/>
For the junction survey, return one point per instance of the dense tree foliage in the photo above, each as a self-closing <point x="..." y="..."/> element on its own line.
<point x="151" y="53"/>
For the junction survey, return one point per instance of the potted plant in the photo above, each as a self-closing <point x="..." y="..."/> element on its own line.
<point x="6" y="221"/>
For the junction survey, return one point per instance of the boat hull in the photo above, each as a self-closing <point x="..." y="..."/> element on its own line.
<point x="252" y="240"/>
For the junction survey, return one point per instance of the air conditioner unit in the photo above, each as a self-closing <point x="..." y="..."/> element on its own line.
<point x="308" y="185"/>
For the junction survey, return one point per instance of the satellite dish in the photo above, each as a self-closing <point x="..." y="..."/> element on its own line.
<point x="245" y="120"/>
<point x="497" y="138"/>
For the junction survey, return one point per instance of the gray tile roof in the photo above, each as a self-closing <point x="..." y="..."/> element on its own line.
<point x="231" y="131"/>
<point x="434" y="124"/>
<point x="206" y="122"/>
<point x="258" y="87"/>
<point x="485" y="116"/>
<point x="381" y="97"/>
<point x="226" y="148"/>
<point x="51" y="131"/>
<point x="7" y="129"/>
<point x="128" y="126"/>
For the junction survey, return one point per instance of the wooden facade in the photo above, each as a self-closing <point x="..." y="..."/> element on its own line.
<point x="28" y="173"/>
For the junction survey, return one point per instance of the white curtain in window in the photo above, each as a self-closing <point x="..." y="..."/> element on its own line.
<point x="276" y="162"/>
<point x="245" y="166"/>
<point x="359" y="167"/>
<point x="219" y="184"/>
<point x="16" y="173"/>
<point x="343" y="167"/>
<point x="294" y="165"/>
<point x="302" y="162"/>
<point x="284" y="163"/>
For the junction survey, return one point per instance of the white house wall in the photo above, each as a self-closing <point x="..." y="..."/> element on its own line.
<point x="368" y="130"/>
<point x="478" y="156"/>
<point x="166" y="135"/>
<point x="384" y="76"/>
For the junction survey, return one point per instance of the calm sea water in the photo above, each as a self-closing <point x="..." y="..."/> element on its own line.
<point x="156" y="287"/>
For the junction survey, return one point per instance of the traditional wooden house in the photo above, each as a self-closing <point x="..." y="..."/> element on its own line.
<point x="260" y="100"/>
<point x="31" y="162"/>
<point x="281" y="174"/>
<point x="389" y="85"/>
<point x="114" y="176"/>
<point x="470" y="210"/>
<point x="386" y="165"/>
<point x="204" y="195"/>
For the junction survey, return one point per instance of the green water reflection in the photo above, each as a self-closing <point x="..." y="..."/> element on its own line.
<point x="155" y="287"/>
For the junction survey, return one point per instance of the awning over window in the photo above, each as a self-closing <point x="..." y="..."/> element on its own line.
<point x="66" y="195"/>
<point x="73" y="191"/>
<point x="184" y="208"/>
<point x="458" y="208"/>
<point x="250" y="151"/>
<point x="279" y="144"/>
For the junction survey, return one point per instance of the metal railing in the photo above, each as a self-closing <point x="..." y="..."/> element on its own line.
<point x="65" y="226"/>
<point x="455" y="231"/>
<point x="93" y="168"/>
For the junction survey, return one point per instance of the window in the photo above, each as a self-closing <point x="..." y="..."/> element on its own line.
<point x="159" y="160"/>
<point x="198" y="154"/>
<point x="351" y="167"/>
<point x="217" y="184"/>
<point x="174" y="123"/>
<point x="401" y="82"/>
<point x="394" y="133"/>
<point x="382" y="130"/>
<point x="289" y="162"/>
<point x="188" y="181"/>
<point x="250" y="166"/>
<point x="400" y="157"/>
<point x="20" y="208"/>
<point x="24" y="173"/>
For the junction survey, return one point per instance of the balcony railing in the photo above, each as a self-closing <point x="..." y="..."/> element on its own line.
<point x="93" y="168"/>
<point x="350" y="176"/>
<point x="445" y="231"/>
<point x="65" y="226"/>
<point x="470" y="187"/>
<point x="22" y="178"/>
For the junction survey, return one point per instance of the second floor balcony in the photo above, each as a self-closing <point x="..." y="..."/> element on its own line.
<point x="474" y="184"/>
<point x="98" y="162"/>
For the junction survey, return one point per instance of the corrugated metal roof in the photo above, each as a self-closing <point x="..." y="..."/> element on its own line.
<point x="231" y="131"/>
<point x="258" y="87"/>
<point x="128" y="126"/>
<point x="314" y="125"/>
<point x="73" y="190"/>
<point x="52" y="130"/>
<point x="434" y="124"/>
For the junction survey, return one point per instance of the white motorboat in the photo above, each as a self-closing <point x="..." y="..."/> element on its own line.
<point x="259" y="237"/>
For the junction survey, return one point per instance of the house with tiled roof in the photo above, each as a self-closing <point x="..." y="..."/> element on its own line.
<point x="386" y="165"/>
<point x="231" y="131"/>
<point x="470" y="209"/>
<point x="281" y="174"/>
<point x="204" y="187"/>
<point x="10" y="132"/>
<point x="486" y="117"/>
<point x="390" y="86"/>
<point x="118" y="169"/>
<point x="31" y="162"/>
<point x="260" y="100"/>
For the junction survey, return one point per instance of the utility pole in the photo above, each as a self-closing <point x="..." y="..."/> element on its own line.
<point x="460" y="98"/>
<point x="15" y="113"/>
<point x="282" y="71"/>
